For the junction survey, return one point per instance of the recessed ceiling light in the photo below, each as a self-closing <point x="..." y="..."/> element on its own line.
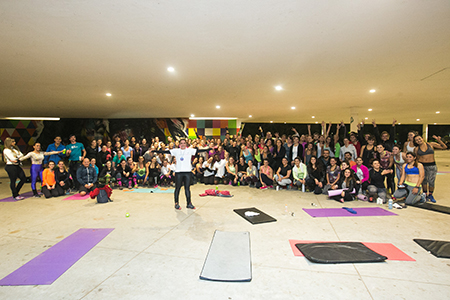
<point x="108" y="94"/>
<point x="313" y="117"/>
<point x="366" y="118"/>
<point x="317" y="122"/>
<point x="417" y="119"/>
<point x="372" y="91"/>
<point x="292" y="107"/>
<point x="278" y="87"/>
<point x="217" y="106"/>
<point x="271" y="121"/>
<point x="369" y="109"/>
<point x="250" y="116"/>
<point x="399" y="123"/>
<point x="434" y="123"/>
<point x="192" y="115"/>
<point x="438" y="112"/>
<point x="171" y="69"/>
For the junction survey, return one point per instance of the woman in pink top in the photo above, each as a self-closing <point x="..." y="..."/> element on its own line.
<point x="362" y="176"/>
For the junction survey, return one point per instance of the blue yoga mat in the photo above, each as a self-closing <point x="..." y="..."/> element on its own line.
<point x="51" y="264"/>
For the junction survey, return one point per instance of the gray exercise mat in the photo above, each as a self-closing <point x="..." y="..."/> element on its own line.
<point x="228" y="257"/>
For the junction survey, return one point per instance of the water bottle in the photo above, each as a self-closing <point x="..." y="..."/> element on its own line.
<point x="217" y="187"/>
<point x="239" y="183"/>
<point x="390" y="203"/>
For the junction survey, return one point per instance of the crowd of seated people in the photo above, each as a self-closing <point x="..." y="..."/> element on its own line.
<point x="358" y="164"/>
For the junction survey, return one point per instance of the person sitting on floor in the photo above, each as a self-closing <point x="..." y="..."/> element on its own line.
<point x="283" y="176"/>
<point x="49" y="186"/>
<point x="299" y="173"/>
<point x="347" y="184"/>
<point x="251" y="176"/>
<point x="87" y="177"/>
<point x="265" y="176"/>
<point x="124" y="174"/>
<point x="62" y="177"/>
<point x="409" y="184"/>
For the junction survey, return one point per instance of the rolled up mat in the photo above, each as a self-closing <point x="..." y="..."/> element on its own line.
<point x="340" y="252"/>
<point x="332" y="193"/>
<point x="433" y="207"/>
<point x="51" y="264"/>
<point x="257" y="219"/>
<point x="437" y="248"/>
<point x="228" y="258"/>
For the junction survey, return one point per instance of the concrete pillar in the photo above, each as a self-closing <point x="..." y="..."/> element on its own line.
<point x="425" y="132"/>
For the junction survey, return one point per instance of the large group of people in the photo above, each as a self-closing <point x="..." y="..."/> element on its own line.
<point x="358" y="164"/>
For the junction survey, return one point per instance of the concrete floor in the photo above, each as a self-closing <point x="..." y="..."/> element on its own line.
<point x="158" y="253"/>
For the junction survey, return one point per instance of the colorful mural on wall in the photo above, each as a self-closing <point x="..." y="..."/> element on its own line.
<point x="25" y="132"/>
<point x="212" y="128"/>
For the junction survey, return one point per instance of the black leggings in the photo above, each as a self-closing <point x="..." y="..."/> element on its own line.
<point x="57" y="191"/>
<point x="208" y="179"/>
<point x="73" y="167"/>
<point x="183" y="178"/>
<point x="15" y="172"/>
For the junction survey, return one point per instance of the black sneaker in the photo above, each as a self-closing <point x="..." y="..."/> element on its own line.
<point x="177" y="206"/>
<point x="190" y="206"/>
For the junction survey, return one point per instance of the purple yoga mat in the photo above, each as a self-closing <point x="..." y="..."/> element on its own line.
<point x="11" y="199"/>
<point x="48" y="266"/>
<point x="340" y="212"/>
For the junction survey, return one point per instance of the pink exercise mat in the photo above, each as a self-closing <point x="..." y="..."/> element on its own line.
<point x="385" y="249"/>
<point x="77" y="197"/>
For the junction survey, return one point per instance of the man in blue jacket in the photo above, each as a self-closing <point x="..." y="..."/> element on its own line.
<point x="87" y="177"/>
<point x="55" y="147"/>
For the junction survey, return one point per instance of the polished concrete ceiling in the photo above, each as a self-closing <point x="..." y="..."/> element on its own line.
<point x="60" y="58"/>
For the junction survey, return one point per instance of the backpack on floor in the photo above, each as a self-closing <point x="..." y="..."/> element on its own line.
<point x="102" y="197"/>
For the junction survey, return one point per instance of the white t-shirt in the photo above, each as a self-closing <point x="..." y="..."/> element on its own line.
<point x="10" y="155"/>
<point x="183" y="163"/>
<point x="295" y="151"/>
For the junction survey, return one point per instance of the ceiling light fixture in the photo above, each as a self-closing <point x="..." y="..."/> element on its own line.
<point x="212" y="118"/>
<point x="108" y="94"/>
<point x="366" y="118"/>
<point x="369" y="109"/>
<point x="33" y="118"/>
<point x="317" y="122"/>
<point x="278" y="87"/>
<point x="372" y="91"/>
<point x="171" y="69"/>
<point x="438" y="112"/>
<point x="417" y="119"/>
<point x="313" y="117"/>
<point x="192" y="115"/>
<point x="292" y="107"/>
<point x="250" y="116"/>
<point x="217" y="106"/>
<point x="271" y="121"/>
<point x="434" y="123"/>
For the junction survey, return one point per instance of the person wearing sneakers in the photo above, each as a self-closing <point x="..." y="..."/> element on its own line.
<point x="425" y="155"/>
<point x="409" y="184"/>
<point x="12" y="154"/>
